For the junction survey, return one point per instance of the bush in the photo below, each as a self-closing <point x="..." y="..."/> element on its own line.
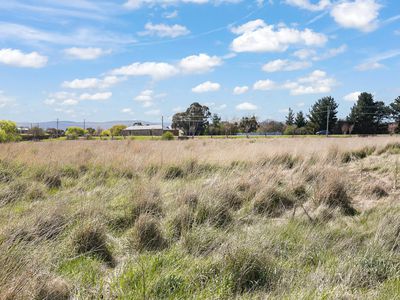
<point x="90" y="239"/>
<point x="168" y="136"/>
<point x="249" y="271"/>
<point x="147" y="235"/>
<point x="272" y="202"/>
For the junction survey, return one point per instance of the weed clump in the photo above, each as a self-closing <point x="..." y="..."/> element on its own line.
<point x="272" y="202"/>
<point x="147" y="235"/>
<point x="181" y="222"/>
<point x="91" y="239"/>
<point x="190" y="199"/>
<point x="378" y="191"/>
<point x="249" y="271"/>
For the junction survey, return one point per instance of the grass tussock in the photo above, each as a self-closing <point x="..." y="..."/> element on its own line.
<point x="272" y="202"/>
<point x="91" y="239"/>
<point x="147" y="235"/>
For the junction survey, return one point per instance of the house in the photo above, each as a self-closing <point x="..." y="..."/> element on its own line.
<point x="140" y="129"/>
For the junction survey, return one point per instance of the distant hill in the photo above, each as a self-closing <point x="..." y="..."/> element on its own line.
<point x="65" y="124"/>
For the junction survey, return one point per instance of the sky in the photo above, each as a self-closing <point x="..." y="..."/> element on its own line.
<point x="142" y="59"/>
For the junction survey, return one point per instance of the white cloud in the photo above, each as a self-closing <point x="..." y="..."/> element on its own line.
<point x="358" y="14"/>
<point x="207" y="86"/>
<point x="300" y="104"/>
<point x="127" y="111"/>
<point x="257" y="36"/>
<point x="164" y="30"/>
<point x="136" y="4"/>
<point x="85" y="53"/>
<point x="374" y="63"/>
<point x="156" y="70"/>
<point x="92" y="83"/>
<point x="16" y="58"/>
<point x="246" y="106"/>
<point x="4" y="100"/>
<point x="201" y="63"/>
<point x="171" y="15"/>
<point x="370" y="65"/>
<point x="306" y="4"/>
<point x="153" y="112"/>
<point x="315" y="83"/>
<point x="70" y="102"/>
<point x="264" y="85"/>
<point x="352" y="97"/>
<point x="96" y="97"/>
<point x="240" y="90"/>
<point x="80" y="37"/>
<point x="397" y="32"/>
<point x="285" y="65"/>
<point x="145" y="97"/>
<point x="305" y="53"/>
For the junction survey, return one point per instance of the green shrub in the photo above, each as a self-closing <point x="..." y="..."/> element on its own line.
<point x="167" y="136"/>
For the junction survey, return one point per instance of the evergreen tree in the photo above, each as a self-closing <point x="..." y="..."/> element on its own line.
<point x="194" y="120"/>
<point x="300" y="120"/>
<point x="367" y="115"/>
<point x="319" y="114"/>
<point x="395" y="109"/>
<point x="248" y="124"/>
<point x="290" y="118"/>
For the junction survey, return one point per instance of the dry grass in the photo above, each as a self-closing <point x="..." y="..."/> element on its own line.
<point x="209" y="219"/>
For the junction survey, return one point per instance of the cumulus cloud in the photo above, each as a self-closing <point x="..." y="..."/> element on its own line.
<point x="146" y="98"/>
<point x="207" y="86"/>
<point x="127" y="111"/>
<point x="92" y="83"/>
<point x="156" y="70"/>
<point x="240" y="90"/>
<point x="201" y="63"/>
<point x="264" y="85"/>
<point x="306" y="4"/>
<point x="315" y="83"/>
<point x="352" y="97"/>
<point x="257" y="36"/>
<point x="246" y="106"/>
<point x="85" y="53"/>
<point x="358" y="14"/>
<point x="285" y="65"/>
<point x="164" y="30"/>
<point x="96" y="96"/>
<point x="16" y="58"/>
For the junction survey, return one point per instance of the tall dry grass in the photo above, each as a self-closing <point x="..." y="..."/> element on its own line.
<point x="202" y="219"/>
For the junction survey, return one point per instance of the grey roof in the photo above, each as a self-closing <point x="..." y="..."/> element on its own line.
<point x="144" y="127"/>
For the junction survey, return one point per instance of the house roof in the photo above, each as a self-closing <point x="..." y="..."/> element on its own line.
<point x="144" y="127"/>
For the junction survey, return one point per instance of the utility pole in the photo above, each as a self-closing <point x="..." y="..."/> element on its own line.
<point x="57" y="128"/>
<point x="84" y="124"/>
<point x="327" y="121"/>
<point x="162" y="124"/>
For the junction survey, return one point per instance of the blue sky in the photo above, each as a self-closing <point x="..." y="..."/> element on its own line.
<point x="140" y="59"/>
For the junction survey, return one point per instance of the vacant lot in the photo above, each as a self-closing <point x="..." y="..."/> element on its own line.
<point x="201" y="219"/>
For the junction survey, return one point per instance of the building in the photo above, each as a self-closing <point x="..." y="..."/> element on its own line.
<point x="139" y="129"/>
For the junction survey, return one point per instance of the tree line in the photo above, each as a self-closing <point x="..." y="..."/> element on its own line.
<point x="367" y="116"/>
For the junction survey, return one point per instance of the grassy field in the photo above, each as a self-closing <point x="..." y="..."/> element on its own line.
<point x="298" y="218"/>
